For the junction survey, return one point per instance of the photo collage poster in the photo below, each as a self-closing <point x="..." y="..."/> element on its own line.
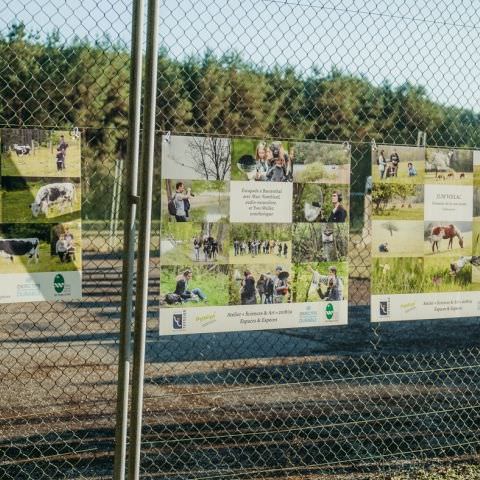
<point x="40" y="215"/>
<point x="425" y="233"/>
<point x="254" y="234"/>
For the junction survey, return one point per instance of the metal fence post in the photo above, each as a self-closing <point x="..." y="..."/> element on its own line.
<point x="143" y="259"/>
<point x="129" y="238"/>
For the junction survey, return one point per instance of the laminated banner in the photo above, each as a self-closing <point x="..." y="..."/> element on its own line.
<point x="254" y="234"/>
<point x="40" y="221"/>
<point x="425" y="233"/>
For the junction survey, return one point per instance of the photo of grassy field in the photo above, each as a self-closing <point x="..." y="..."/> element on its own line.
<point x="177" y="243"/>
<point x="19" y="193"/>
<point x="465" y="232"/>
<point x="414" y="155"/>
<point x="213" y="280"/>
<point x="476" y="237"/>
<point x="316" y="162"/>
<point x="449" y="166"/>
<point x="397" y="275"/>
<point x="395" y="201"/>
<point x="48" y="260"/>
<point x="273" y="238"/>
<point x="402" y="238"/>
<point x="41" y="159"/>
<point x="303" y="291"/>
<point x="210" y="204"/>
<point x="438" y="276"/>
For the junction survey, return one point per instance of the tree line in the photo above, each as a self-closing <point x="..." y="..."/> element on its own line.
<point x="50" y="83"/>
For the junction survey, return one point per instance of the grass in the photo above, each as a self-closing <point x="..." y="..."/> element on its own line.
<point x="476" y="175"/>
<point x="183" y="253"/>
<point x="318" y="172"/>
<point x="43" y="162"/>
<point x="402" y="173"/>
<point x="240" y="147"/>
<point x="46" y="263"/>
<point x="414" y="213"/>
<point x="303" y="280"/>
<point x="16" y="207"/>
<point x="405" y="241"/>
<point x="214" y="284"/>
<point x="397" y="275"/>
<point x="261" y="259"/>
<point x="432" y="178"/>
<point x="437" y="277"/>
<point x="455" y="251"/>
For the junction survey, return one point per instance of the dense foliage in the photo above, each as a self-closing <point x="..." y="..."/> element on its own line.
<point x="54" y="84"/>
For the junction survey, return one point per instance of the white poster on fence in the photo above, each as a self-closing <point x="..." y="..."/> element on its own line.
<point x="425" y="233"/>
<point x="40" y="218"/>
<point x="254" y="234"/>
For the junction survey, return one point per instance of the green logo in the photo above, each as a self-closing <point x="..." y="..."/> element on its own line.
<point x="329" y="311"/>
<point x="59" y="283"/>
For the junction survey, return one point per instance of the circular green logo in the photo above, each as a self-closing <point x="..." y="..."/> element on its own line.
<point x="329" y="311"/>
<point x="59" y="283"/>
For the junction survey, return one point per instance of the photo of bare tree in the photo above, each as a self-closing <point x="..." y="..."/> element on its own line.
<point x="196" y="158"/>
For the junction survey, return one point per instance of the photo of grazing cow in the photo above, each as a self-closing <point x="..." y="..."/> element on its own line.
<point x="445" y="232"/>
<point x="17" y="247"/>
<point x="61" y="194"/>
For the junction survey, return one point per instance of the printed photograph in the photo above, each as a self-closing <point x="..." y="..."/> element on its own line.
<point x="260" y="284"/>
<point x="320" y="203"/>
<point x="397" y="238"/>
<point x="260" y="243"/>
<point x="397" y="275"/>
<point x="35" y="153"/>
<point x="196" y="158"/>
<point x="316" y="162"/>
<point x="194" y="286"/>
<point x="40" y="200"/>
<point x="398" y="164"/>
<point x="31" y="248"/>
<point x="454" y="167"/>
<point x="475" y="274"/>
<point x="261" y="161"/>
<point x="448" y="274"/>
<point x="397" y="201"/>
<point x="184" y="243"/>
<point x="476" y="168"/>
<point x="316" y="282"/>
<point x="198" y="201"/>
<point x="445" y="238"/>
<point x="476" y="237"/>
<point x="320" y="242"/>
<point x="476" y="203"/>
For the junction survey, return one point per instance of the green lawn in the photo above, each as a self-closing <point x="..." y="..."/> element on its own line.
<point x="241" y="147"/>
<point x="414" y="213"/>
<point x="42" y="162"/>
<point x="214" y="285"/>
<point x="16" y="208"/>
<point x="402" y="173"/>
<point x="46" y="263"/>
<point x="443" y="179"/>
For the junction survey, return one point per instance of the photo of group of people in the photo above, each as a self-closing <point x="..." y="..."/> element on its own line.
<point x="209" y="258"/>
<point x="423" y="228"/>
<point x="40" y="203"/>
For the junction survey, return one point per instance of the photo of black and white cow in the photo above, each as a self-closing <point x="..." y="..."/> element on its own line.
<point x="60" y="194"/>
<point x="19" y="247"/>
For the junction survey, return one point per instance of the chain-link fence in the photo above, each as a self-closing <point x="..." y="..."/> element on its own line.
<point x="352" y="401"/>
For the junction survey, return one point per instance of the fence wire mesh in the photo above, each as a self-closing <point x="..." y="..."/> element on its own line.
<point x="336" y="402"/>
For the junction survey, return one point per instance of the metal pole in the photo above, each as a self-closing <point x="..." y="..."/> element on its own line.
<point x="143" y="259"/>
<point x="133" y="142"/>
